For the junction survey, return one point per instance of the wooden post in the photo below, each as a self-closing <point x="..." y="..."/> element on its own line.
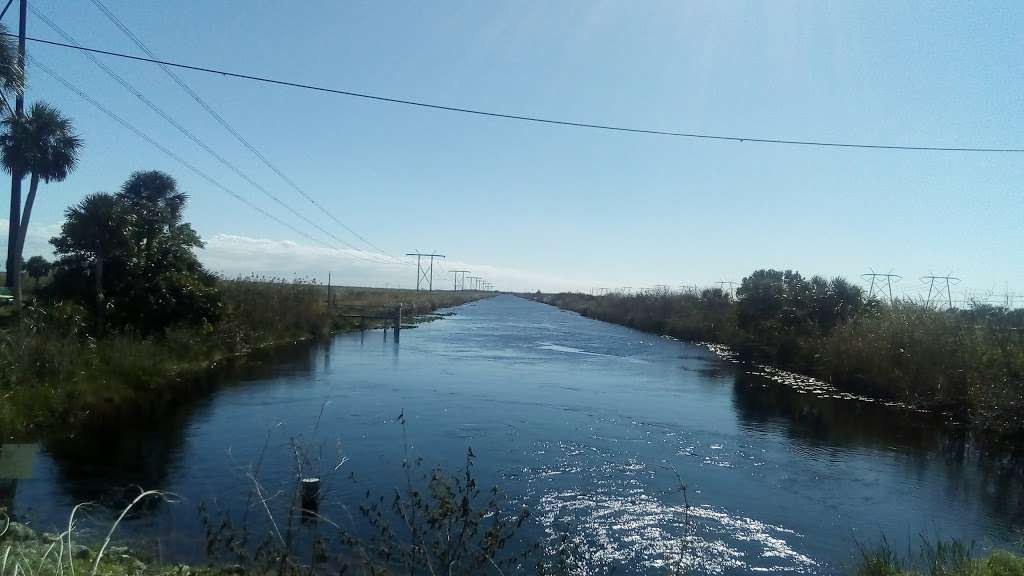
<point x="309" y="495"/>
<point x="398" y="321"/>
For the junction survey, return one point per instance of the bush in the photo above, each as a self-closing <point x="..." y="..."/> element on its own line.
<point x="966" y="362"/>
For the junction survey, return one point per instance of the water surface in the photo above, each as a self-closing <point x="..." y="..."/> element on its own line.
<point x="581" y="420"/>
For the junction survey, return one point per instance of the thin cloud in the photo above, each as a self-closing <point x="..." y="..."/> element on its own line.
<point x="37" y="241"/>
<point x="234" y="255"/>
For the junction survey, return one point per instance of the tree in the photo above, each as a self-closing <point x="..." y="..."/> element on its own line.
<point x="10" y="74"/>
<point x="11" y="81"/>
<point x="771" y="299"/>
<point x="37" y="267"/>
<point x="157" y="208"/>
<point x="93" y="232"/>
<point x="42" y="144"/>
<point x="140" y="254"/>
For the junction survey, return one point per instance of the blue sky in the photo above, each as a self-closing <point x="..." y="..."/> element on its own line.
<point x="534" y="206"/>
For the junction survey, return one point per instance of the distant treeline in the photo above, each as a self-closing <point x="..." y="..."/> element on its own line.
<point x="968" y="362"/>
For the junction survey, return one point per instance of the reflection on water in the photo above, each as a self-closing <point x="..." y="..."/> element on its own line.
<point x="17" y="462"/>
<point x="112" y="457"/>
<point x="613" y="518"/>
<point x="582" y="421"/>
<point x="922" y="444"/>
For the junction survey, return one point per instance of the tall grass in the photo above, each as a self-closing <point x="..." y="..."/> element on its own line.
<point x="969" y="363"/>
<point x="941" y="558"/>
<point x="54" y="371"/>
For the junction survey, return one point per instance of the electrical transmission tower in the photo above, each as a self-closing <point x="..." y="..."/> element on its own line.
<point x="731" y="287"/>
<point x="459" y="279"/>
<point x="938" y="285"/>
<point x="425" y="274"/>
<point x="877" y="280"/>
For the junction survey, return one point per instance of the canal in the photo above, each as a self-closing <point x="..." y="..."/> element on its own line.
<point x="585" y="423"/>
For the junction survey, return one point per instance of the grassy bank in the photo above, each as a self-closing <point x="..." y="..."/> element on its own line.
<point x="438" y="544"/>
<point x="969" y="363"/>
<point x="54" y="371"/>
<point x="944" y="558"/>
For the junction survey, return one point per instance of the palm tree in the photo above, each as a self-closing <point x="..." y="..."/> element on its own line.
<point x="95" y="229"/>
<point x="157" y="206"/>
<point x="42" y="144"/>
<point x="11" y="82"/>
<point x="10" y="73"/>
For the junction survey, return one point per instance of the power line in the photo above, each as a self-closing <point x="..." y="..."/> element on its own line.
<point x="359" y="253"/>
<point x="195" y="139"/>
<point x="458" y="279"/>
<point x="936" y="287"/>
<point x="227" y="125"/>
<point x="425" y="273"/>
<point x="731" y="290"/>
<point x="6" y="6"/>
<point x="83" y="95"/>
<point x="536" y="119"/>
<point x="876" y="277"/>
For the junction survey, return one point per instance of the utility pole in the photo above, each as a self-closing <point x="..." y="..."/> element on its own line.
<point x="14" y="225"/>
<point x="425" y="273"/>
<point x="939" y="284"/>
<point x="459" y="277"/>
<point x="876" y="279"/>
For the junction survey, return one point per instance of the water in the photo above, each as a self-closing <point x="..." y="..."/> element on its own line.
<point x="581" y="420"/>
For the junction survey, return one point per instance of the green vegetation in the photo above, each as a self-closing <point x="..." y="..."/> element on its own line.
<point x="440" y="524"/>
<point x="130" y="311"/>
<point x="44" y="146"/>
<point x="55" y="371"/>
<point x="38" y="268"/>
<point x="967" y="362"/>
<point x="950" y="558"/>
<point x="132" y="256"/>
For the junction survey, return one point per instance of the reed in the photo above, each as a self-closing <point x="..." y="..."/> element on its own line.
<point x="968" y="363"/>
<point x="55" y="372"/>
<point x="938" y="558"/>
